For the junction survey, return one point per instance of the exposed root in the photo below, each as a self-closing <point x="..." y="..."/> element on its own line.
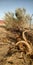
<point x="23" y="34"/>
<point x="21" y="43"/>
<point x="24" y="37"/>
<point x="27" y="41"/>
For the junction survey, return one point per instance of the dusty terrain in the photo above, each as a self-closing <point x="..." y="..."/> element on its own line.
<point x="15" y="53"/>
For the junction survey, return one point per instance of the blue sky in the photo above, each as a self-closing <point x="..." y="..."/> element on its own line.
<point x="11" y="5"/>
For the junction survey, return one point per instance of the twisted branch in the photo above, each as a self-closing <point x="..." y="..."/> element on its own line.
<point x="23" y="34"/>
<point x="26" y="44"/>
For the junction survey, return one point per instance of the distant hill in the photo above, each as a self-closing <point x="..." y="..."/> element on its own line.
<point x="2" y="23"/>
